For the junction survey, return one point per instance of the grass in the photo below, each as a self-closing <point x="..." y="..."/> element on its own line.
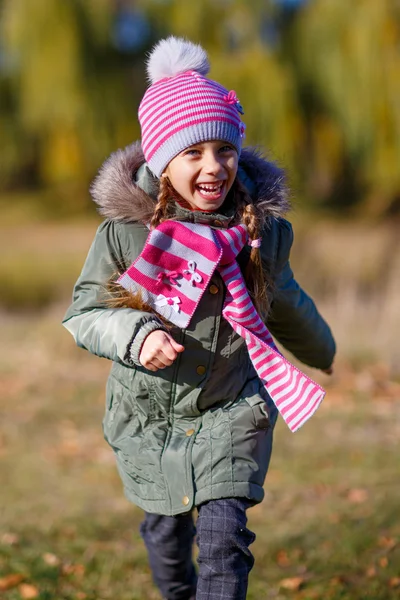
<point x="328" y="526"/>
<point x="41" y="262"/>
<point x="353" y="272"/>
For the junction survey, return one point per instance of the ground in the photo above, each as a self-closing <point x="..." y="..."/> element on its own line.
<point x="328" y="527"/>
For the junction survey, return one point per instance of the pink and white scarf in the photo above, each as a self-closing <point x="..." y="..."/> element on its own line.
<point x="172" y="273"/>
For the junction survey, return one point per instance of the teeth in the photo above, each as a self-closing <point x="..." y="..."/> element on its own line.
<point x="210" y="187"/>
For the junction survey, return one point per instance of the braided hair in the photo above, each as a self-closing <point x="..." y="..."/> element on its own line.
<point x="165" y="199"/>
<point x="257" y="275"/>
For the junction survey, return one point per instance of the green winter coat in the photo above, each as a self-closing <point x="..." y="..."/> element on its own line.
<point x="200" y="429"/>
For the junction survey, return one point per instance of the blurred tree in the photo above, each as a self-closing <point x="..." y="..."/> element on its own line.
<point x="346" y="61"/>
<point x="70" y="89"/>
<point x="319" y="81"/>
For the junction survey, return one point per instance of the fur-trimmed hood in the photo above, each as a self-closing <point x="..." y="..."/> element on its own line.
<point x="126" y="190"/>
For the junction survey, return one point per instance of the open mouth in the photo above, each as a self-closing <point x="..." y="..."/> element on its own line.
<point x="210" y="190"/>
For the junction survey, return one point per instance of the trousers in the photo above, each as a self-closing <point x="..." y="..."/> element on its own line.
<point x="224" y="559"/>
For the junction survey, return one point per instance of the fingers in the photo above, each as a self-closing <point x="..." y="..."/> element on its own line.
<point x="154" y="365"/>
<point x="150" y="367"/>
<point x="159" y="350"/>
<point x="177" y="347"/>
<point x="171" y="348"/>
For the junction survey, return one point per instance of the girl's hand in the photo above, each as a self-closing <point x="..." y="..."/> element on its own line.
<point x="159" y="350"/>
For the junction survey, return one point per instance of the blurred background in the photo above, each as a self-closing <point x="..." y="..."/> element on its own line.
<point x="319" y="81"/>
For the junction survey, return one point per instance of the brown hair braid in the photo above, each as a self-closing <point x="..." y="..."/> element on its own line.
<point x="257" y="278"/>
<point x="162" y="210"/>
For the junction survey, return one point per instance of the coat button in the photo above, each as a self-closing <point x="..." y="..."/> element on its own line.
<point x="201" y="370"/>
<point x="190" y="432"/>
<point x="185" y="500"/>
<point x="213" y="289"/>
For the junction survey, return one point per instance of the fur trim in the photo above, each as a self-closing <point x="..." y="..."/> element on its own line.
<point x="120" y="199"/>
<point x="114" y="190"/>
<point x="272" y="193"/>
<point x="176" y="55"/>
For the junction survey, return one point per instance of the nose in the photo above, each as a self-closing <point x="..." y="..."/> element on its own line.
<point x="212" y="163"/>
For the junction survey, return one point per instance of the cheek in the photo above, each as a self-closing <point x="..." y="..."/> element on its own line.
<point x="182" y="174"/>
<point x="176" y="176"/>
<point x="233" y="164"/>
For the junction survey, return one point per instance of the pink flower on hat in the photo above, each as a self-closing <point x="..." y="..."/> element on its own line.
<point x="231" y="97"/>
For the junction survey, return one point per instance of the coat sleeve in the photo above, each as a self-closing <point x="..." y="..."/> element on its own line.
<point x="114" y="333"/>
<point x="294" y="319"/>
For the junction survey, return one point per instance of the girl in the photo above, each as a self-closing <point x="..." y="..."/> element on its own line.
<point x="195" y="232"/>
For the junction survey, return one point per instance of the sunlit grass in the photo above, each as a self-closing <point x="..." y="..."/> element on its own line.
<point x="328" y="525"/>
<point x="41" y="262"/>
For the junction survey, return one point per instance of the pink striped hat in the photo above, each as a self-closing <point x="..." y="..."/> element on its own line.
<point x="182" y="107"/>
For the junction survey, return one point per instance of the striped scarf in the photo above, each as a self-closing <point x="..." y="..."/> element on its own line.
<point x="172" y="273"/>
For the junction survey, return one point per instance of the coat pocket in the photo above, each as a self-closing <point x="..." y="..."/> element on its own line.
<point x="251" y="433"/>
<point x="137" y="442"/>
<point x="212" y="451"/>
<point x="139" y="464"/>
<point x="121" y="418"/>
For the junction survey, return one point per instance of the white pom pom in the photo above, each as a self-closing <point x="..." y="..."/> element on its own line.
<point x="173" y="55"/>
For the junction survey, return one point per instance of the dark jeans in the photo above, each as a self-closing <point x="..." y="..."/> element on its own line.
<point x="224" y="557"/>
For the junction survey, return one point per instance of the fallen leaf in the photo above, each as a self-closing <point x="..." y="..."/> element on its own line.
<point x="28" y="591"/>
<point x="51" y="559"/>
<point x="394" y="582"/>
<point x="387" y="542"/>
<point x="357" y="496"/>
<point x="292" y="583"/>
<point x="282" y="558"/>
<point x="10" y="581"/>
<point x="10" y="539"/>
<point x="371" y="572"/>
<point x="81" y="595"/>
<point x="383" y="562"/>
<point x="70" y="569"/>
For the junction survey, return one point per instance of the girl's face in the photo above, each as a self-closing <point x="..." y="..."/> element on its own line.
<point x="204" y="173"/>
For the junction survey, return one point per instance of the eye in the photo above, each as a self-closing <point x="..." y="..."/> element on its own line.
<point x="191" y="152"/>
<point x="227" y="148"/>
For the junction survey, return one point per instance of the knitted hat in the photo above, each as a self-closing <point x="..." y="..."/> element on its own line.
<point x="182" y="107"/>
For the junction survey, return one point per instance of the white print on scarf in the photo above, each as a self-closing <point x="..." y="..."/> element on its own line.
<point x="172" y="302"/>
<point x="194" y="277"/>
